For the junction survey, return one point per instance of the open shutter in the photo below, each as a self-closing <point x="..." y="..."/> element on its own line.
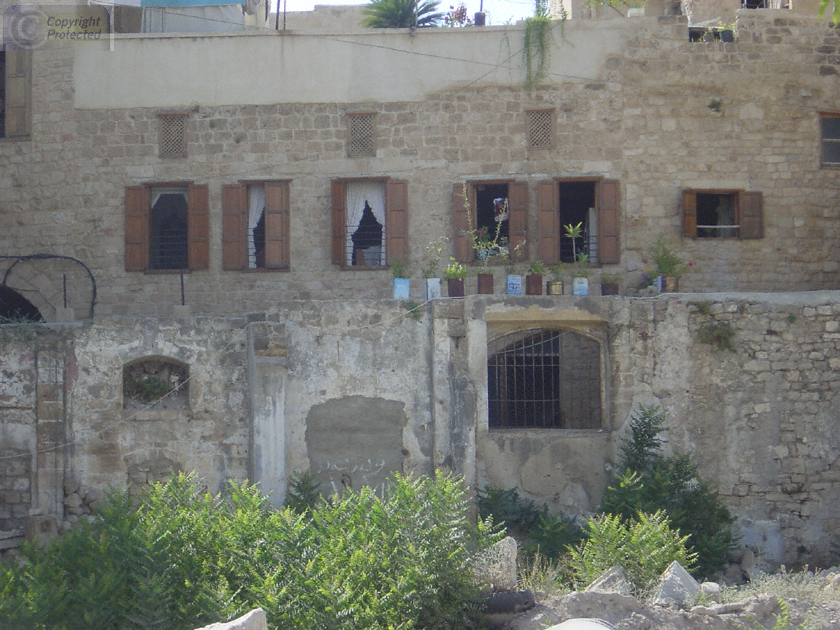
<point x="548" y="222"/>
<point x="462" y="221"/>
<point x="234" y="226"/>
<point x="137" y="202"/>
<point x="339" y="224"/>
<point x="689" y="213"/>
<point x="277" y="225"/>
<point x="752" y="214"/>
<point x="198" y="227"/>
<point x="609" y="220"/>
<point x="18" y="90"/>
<point x="518" y="222"/>
<point x="396" y="221"/>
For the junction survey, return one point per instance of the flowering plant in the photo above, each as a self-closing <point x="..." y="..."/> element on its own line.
<point x="666" y="260"/>
<point x="455" y="270"/>
<point x="431" y="257"/>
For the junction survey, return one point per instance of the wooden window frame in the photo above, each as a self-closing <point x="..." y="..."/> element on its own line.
<point x="277" y="226"/>
<point x="17" y="88"/>
<point x="138" y="226"/>
<point x="824" y="140"/>
<point x="607" y="213"/>
<point x="396" y="221"/>
<point x="464" y="220"/>
<point x="749" y="213"/>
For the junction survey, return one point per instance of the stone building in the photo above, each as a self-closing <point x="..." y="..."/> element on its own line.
<point x="217" y="213"/>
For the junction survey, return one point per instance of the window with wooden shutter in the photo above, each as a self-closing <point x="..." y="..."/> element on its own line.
<point x="234" y="226"/>
<point x="548" y="222"/>
<point x="607" y="212"/>
<point x="166" y="227"/>
<point x="722" y="214"/>
<point x="370" y="223"/>
<point x="276" y="225"/>
<point x="15" y="93"/>
<point x="487" y="217"/>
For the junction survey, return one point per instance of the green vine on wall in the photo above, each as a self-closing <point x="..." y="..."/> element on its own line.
<point x="536" y="44"/>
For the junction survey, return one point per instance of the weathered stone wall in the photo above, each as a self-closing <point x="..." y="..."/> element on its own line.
<point x="354" y="390"/>
<point x="631" y="99"/>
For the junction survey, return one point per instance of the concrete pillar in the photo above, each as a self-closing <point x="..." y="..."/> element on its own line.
<point x="267" y="375"/>
<point x="48" y="495"/>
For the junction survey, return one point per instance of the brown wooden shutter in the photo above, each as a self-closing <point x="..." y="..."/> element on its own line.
<point x="518" y="222"/>
<point x="137" y="207"/>
<point x="277" y="225"/>
<point x="198" y="227"/>
<point x="689" y="213"/>
<point x="339" y="223"/>
<point x="752" y="214"/>
<point x="396" y="221"/>
<point x="18" y="91"/>
<point x="548" y="222"/>
<point x="609" y="221"/>
<point x="234" y="226"/>
<point x="463" y="220"/>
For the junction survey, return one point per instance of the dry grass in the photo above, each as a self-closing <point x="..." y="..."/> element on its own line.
<point x="803" y="585"/>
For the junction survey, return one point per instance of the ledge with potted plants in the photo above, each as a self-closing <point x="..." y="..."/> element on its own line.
<point x="668" y="266"/>
<point x="454" y="274"/>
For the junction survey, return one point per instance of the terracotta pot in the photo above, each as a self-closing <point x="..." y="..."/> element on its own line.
<point x="485" y="283"/>
<point x="609" y="288"/>
<point x="554" y="287"/>
<point x="455" y="287"/>
<point x="533" y="284"/>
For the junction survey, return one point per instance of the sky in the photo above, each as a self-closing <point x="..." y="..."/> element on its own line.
<point x="498" y="11"/>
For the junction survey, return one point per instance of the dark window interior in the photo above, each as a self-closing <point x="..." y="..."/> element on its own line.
<point x="367" y="239"/>
<point x="831" y="139"/>
<point x="15" y="308"/>
<point x="547" y="379"/>
<point x="491" y="202"/>
<point x="576" y="198"/>
<point x="258" y="239"/>
<point x="169" y="232"/>
<point x="717" y="215"/>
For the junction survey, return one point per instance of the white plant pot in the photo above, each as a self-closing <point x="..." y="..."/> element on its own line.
<point x="402" y="288"/>
<point x="514" y="285"/>
<point x="580" y="286"/>
<point x="431" y="288"/>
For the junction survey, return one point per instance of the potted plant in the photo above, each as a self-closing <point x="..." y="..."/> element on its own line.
<point x="514" y="279"/>
<point x="610" y="283"/>
<point x="488" y="244"/>
<point x="534" y="279"/>
<point x="454" y="274"/>
<point x="402" y="284"/>
<point x="580" y="279"/>
<point x="555" y="286"/>
<point x="429" y="268"/>
<point x="726" y="31"/>
<point x="668" y="266"/>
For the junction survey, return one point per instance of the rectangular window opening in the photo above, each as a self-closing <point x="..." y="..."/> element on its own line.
<point x="168" y="233"/>
<point x="717" y="215"/>
<point x="256" y="226"/>
<point x="830" y="137"/>
<point x="492" y="219"/>
<point x="577" y="207"/>
<point x="365" y="224"/>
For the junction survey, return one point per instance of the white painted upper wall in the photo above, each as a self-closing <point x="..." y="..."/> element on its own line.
<point x="380" y="65"/>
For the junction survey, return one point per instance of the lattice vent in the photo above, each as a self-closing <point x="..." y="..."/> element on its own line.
<point x="362" y="135"/>
<point x="540" y="127"/>
<point x="173" y="135"/>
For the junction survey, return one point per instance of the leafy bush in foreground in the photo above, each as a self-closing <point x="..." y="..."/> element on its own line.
<point x="182" y="558"/>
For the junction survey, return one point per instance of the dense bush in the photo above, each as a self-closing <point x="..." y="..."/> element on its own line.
<point x="553" y="535"/>
<point x="643" y="547"/>
<point x="182" y="558"/>
<point x="648" y="482"/>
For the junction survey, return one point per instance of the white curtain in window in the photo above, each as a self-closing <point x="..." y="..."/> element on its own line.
<point x="256" y="207"/>
<point x="357" y="194"/>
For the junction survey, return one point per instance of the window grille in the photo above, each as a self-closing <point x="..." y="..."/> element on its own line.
<point x="173" y="135"/>
<point x="544" y="379"/>
<point x="540" y="127"/>
<point x="362" y="135"/>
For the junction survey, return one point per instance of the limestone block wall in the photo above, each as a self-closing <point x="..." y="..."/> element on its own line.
<point x="630" y="100"/>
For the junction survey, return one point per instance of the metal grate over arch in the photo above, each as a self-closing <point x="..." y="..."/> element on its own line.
<point x="544" y="379"/>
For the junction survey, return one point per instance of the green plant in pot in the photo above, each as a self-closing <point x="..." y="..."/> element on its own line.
<point x="533" y="281"/>
<point x="610" y="283"/>
<point x="429" y="268"/>
<point x="555" y="285"/>
<point x="401" y="272"/>
<point x="667" y="265"/>
<point x="580" y="275"/>
<point x="454" y="274"/>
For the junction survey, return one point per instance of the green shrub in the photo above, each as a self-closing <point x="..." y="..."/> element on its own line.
<point x="649" y="481"/>
<point x="183" y="558"/>
<point x="643" y="547"/>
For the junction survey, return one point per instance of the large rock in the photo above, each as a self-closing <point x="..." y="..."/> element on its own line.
<point x="254" y="620"/>
<point x="584" y="624"/>
<point x="613" y="580"/>
<point x="676" y="587"/>
<point x="496" y="567"/>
